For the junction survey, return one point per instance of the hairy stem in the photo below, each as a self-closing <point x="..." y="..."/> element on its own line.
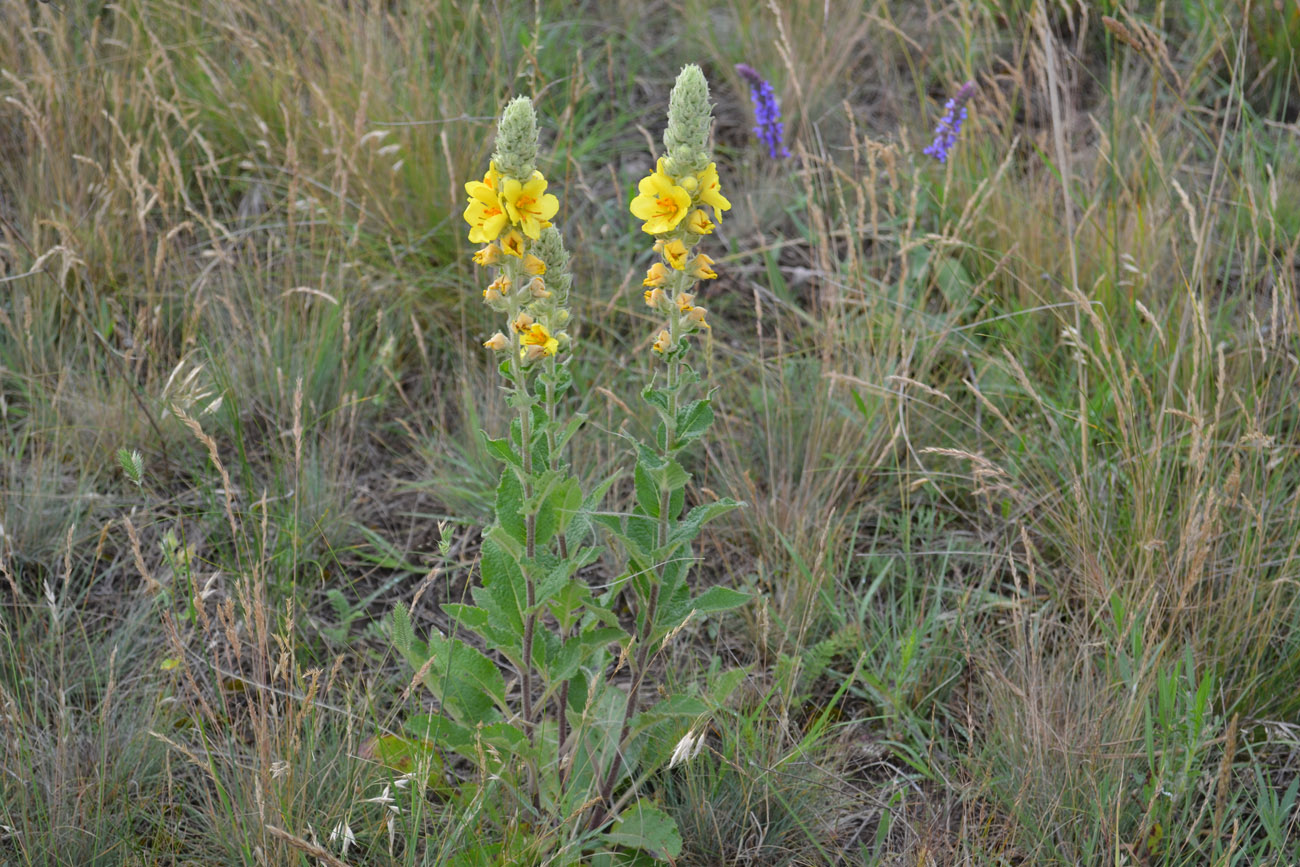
<point x="642" y="660"/>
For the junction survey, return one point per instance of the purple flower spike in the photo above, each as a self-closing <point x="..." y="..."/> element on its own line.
<point x="945" y="134"/>
<point x="767" y="112"/>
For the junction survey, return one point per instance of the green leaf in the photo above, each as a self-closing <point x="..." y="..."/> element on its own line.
<point x="510" y="506"/>
<point x="581" y="525"/>
<point x="468" y="684"/>
<point x="437" y="729"/>
<point x="469" y="616"/>
<point x="505" y="737"/>
<point x="559" y="573"/>
<point x="501" y="450"/>
<point x="662" y="472"/>
<point x="658" y="398"/>
<point x="676" y="500"/>
<point x="652" y="460"/>
<point x="689" y="527"/>
<point x="674" y="476"/>
<point x="551" y="492"/>
<point x="405" y="755"/>
<point x="719" y="599"/>
<point x="647" y="492"/>
<point x="566" y="499"/>
<point x="575" y="421"/>
<point x="640" y="538"/>
<point x="649" y="829"/>
<point x="504" y="595"/>
<point x="581" y="647"/>
<point x="674" y="707"/>
<point x="693" y="421"/>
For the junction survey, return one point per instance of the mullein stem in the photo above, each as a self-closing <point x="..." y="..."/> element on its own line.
<point x="520" y="377"/>
<point x="562" y="700"/>
<point x="651" y="609"/>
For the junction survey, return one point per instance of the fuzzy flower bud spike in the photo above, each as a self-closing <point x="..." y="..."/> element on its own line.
<point x="690" y="116"/>
<point x="516" y="151"/>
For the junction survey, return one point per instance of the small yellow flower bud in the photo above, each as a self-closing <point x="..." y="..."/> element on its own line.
<point x="537" y="288"/>
<point x="699" y="222"/>
<point x="522" y="323"/>
<point x="675" y="252"/>
<point x="489" y="255"/>
<point x="689" y="183"/>
<point x="513" y="244"/>
<point x="656" y="276"/>
<point x="659" y="245"/>
<point x="655" y="298"/>
<point x="700" y="268"/>
<point x="495" y="293"/>
<point x="695" y="317"/>
<point x="662" y="342"/>
<point x="534" y="265"/>
<point x="685" y="302"/>
<point x="497" y="342"/>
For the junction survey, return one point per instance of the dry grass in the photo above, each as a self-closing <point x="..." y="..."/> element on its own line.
<point x="1017" y="432"/>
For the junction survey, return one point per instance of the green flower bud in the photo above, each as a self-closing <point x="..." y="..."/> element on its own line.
<point x="686" y="139"/>
<point x="516" y="153"/>
<point x="550" y="249"/>
<point x="551" y="309"/>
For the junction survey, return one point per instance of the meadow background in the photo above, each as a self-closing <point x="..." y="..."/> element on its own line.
<point x="1018" y="433"/>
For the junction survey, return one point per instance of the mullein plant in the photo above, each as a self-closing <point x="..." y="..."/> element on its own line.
<point x="552" y="723"/>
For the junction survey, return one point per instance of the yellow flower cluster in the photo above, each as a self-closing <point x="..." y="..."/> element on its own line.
<point x="508" y="216"/>
<point x="663" y="201"/>
<point x="498" y="201"/>
<point x="673" y="210"/>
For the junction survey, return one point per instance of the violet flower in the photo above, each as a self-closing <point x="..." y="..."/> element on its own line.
<point x="945" y="134"/>
<point x="767" y="112"/>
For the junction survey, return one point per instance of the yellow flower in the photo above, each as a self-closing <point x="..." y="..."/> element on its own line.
<point x="656" y="276"/>
<point x="685" y="302"/>
<point x="695" y="316"/>
<point x="675" y="252"/>
<point x="537" y="288"/>
<point x="497" y="342"/>
<point x="662" y="204"/>
<point x="485" y="214"/>
<point x="513" y="244"/>
<point x="655" y="298"/>
<point x="662" y="342"/>
<point x="699" y="222"/>
<point x="489" y="255"/>
<point x="522" y="323"/>
<point x="537" y="343"/>
<point x="534" y="265"/>
<point x="701" y="268"/>
<point x="711" y="191"/>
<point x="529" y="206"/>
